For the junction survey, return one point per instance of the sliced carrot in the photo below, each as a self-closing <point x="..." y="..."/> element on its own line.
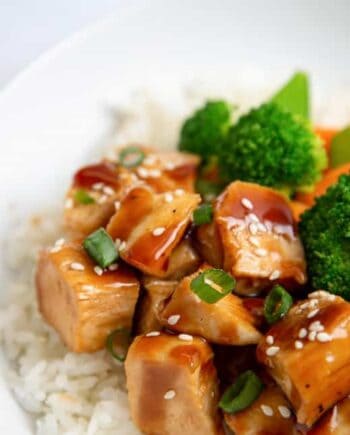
<point x="298" y="209"/>
<point x="326" y="134"/>
<point x="330" y="177"/>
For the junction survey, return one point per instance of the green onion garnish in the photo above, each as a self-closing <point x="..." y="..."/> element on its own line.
<point x="242" y="393"/>
<point x="117" y="343"/>
<point x="131" y="156"/>
<point x="277" y="304"/>
<point x="82" y="197"/>
<point x="340" y="148"/>
<point x="203" y="214"/>
<point x="212" y="285"/>
<point x="101" y="248"/>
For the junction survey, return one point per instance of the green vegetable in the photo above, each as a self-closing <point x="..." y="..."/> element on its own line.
<point x="294" y="95"/>
<point x="275" y="148"/>
<point x="203" y="214"/>
<point x="203" y="133"/>
<point x="242" y="393"/>
<point x="101" y="248"/>
<point x="208" y="189"/>
<point x="277" y="304"/>
<point x="82" y="197"/>
<point x="325" y="233"/>
<point x="131" y="157"/>
<point x="340" y="148"/>
<point x="212" y="285"/>
<point x="117" y="343"/>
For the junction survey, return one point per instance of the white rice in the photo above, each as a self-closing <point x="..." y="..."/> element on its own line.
<point x="76" y="394"/>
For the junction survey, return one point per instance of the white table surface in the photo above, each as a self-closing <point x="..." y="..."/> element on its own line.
<point x="30" y="27"/>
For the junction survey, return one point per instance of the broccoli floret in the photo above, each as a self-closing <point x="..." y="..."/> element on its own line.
<point x="275" y="148"/>
<point x="325" y="232"/>
<point x="203" y="133"/>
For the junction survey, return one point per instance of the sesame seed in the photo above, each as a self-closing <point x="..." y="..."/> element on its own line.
<point x="312" y="335"/>
<point x="321" y="294"/>
<point x="98" y="270"/>
<point x="284" y="411"/>
<point x="170" y="394"/>
<point x="247" y="203"/>
<point x="117" y="205"/>
<point x="88" y="288"/>
<point x="275" y="275"/>
<point x="108" y="190"/>
<point x="158" y="231"/>
<point x="302" y="333"/>
<point x="313" y="313"/>
<point x="168" y="197"/>
<point x="330" y="358"/>
<point x="170" y="166"/>
<point x="122" y="246"/>
<point x="77" y="266"/>
<point x="68" y="203"/>
<point x="267" y="410"/>
<point x="150" y="160"/>
<point x="185" y="337"/>
<point x="113" y="267"/>
<point x="269" y="339"/>
<point x="316" y="326"/>
<point x="172" y="320"/>
<point x="298" y="344"/>
<point x="142" y="172"/>
<point x="59" y="242"/>
<point x="260" y="252"/>
<point x="153" y="334"/>
<point x="102" y="199"/>
<point x="261" y="227"/>
<point x="154" y="173"/>
<point x="323" y="337"/>
<point x="253" y="217"/>
<point x="55" y="249"/>
<point x="272" y="350"/>
<point x="253" y="228"/>
<point x="254" y="241"/>
<point x="179" y="192"/>
<point x="98" y="186"/>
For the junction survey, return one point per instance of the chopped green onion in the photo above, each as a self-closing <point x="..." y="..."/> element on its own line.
<point x="212" y="285"/>
<point x="131" y="156"/>
<point x="208" y="189"/>
<point x="203" y="214"/>
<point x="117" y="343"/>
<point x="340" y="148"/>
<point x="82" y="197"/>
<point x="101" y="248"/>
<point x="294" y="95"/>
<point x="242" y="393"/>
<point x="277" y="304"/>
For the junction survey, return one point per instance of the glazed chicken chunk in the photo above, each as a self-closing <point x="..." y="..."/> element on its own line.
<point x="308" y="354"/>
<point x="335" y="422"/>
<point x="172" y="385"/>
<point x="150" y="226"/>
<point x="83" y="304"/>
<point x="259" y="235"/>
<point x="223" y="322"/>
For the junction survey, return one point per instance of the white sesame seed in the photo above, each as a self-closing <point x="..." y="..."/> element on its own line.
<point x="168" y="197"/>
<point x="68" y="203"/>
<point x="88" y="288"/>
<point x="269" y="339"/>
<point x="272" y="350"/>
<point x="98" y="270"/>
<point x="254" y="241"/>
<point x="260" y="252"/>
<point x="153" y="334"/>
<point x="142" y="172"/>
<point x="102" y="199"/>
<point x="247" y="203"/>
<point x="284" y="411"/>
<point x="298" y="344"/>
<point x="185" y="337"/>
<point x="170" y="166"/>
<point x="113" y="267"/>
<point x="107" y="190"/>
<point x="334" y="419"/>
<point x="77" y="266"/>
<point x="98" y="186"/>
<point x="275" y="275"/>
<point x="253" y="228"/>
<point x="313" y="313"/>
<point x="179" y="192"/>
<point x="267" y="410"/>
<point x="261" y="227"/>
<point x="312" y="335"/>
<point x="253" y="217"/>
<point x="321" y="294"/>
<point x="154" y="173"/>
<point x="59" y="242"/>
<point x="323" y="337"/>
<point x="55" y="249"/>
<point x="316" y="326"/>
<point x="172" y="320"/>
<point x="302" y="333"/>
<point x="150" y="160"/>
<point x="170" y="394"/>
<point x="117" y="205"/>
<point x="122" y="246"/>
<point x="158" y="231"/>
<point x="330" y="358"/>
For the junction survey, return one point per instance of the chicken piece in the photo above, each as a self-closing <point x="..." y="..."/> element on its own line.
<point x="83" y="306"/>
<point x="259" y="235"/>
<point x="270" y="414"/>
<point x="225" y="322"/>
<point x="308" y="354"/>
<point x="168" y="171"/>
<point x="209" y="244"/>
<point x="104" y="183"/>
<point x="183" y="260"/>
<point x="335" y="422"/>
<point x="172" y="386"/>
<point x="151" y="225"/>
<point x="157" y="291"/>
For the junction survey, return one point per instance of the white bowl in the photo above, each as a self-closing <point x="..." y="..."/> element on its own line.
<point x="55" y="114"/>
